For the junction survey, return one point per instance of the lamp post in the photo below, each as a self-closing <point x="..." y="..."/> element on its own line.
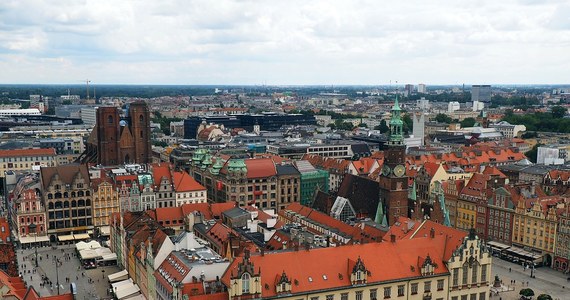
<point x="33" y="227"/>
<point x="57" y="273"/>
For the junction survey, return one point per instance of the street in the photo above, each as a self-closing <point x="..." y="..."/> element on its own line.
<point x="69" y="267"/>
<point x="547" y="281"/>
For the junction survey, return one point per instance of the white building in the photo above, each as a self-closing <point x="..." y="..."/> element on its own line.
<point x="187" y="189"/>
<point x="508" y="130"/>
<point x="423" y="104"/>
<point x="20" y="112"/>
<point x="478" y="106"/>
<point x="453" y="106"/>
<point x="422" y="89"/>
<point x="418" y="129"/>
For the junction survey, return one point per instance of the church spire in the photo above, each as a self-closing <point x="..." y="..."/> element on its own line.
<point x="396" y="125"/>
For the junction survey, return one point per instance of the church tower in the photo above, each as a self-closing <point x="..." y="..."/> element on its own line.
<point x="393" y="180"/>
<point x="139" y="115"/>
<point x="107" y="135"/>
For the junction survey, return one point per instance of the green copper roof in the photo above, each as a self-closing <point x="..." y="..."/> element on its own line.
<point x="396" y="124"/>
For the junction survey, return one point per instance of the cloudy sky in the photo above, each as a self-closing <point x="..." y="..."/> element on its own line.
<point x="284" y="42"/>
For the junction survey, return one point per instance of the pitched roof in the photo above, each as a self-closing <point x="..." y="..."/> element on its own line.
<point x="65" y="172"/>
<point x="362" y="192"/>
<point x="183" y="182"/>
<point x="159" y="171"/>
<point x="27" y="152"/>
<point x="328" y="268"/>
<point x="260" y="167"/>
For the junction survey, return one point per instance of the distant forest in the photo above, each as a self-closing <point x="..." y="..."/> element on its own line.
<point x="22" y="91"/>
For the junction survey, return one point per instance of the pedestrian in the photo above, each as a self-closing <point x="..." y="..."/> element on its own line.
<point x="509" y="270"/>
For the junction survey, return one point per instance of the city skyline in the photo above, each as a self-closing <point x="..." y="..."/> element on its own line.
<point x="284" y="43"/>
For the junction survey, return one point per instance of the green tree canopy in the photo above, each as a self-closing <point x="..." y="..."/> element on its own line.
<point x="526" y="293"/>
<point x="532" y="153"/>
<point x="468" y="122"/>
<point x="443" y="118"/>
<point x="558" y="112"/>
<point x="544" y="297"/>
<point x="383" y="127"/>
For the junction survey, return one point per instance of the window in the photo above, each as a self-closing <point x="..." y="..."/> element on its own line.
<point x="330" y="297"/>
<point x="483" y="273"/>
<point x="427" y="286"/>
<point x="401" y="289"/>
<point x="465" y="273"/>
<point x="245" y="283"/>
<point x="474" y="274"/>
<point x="482" y="295"/>
<point x="440" y="285"/>
<point x="374" y="294"/>
<point x="387" y="292"/>
<point x="456" y="277"/>
<point x="358" y="295"/>
<point x="473" y="297"/>
<point x="315" y="298"/>
<point x="414" y="288"/>
<point x="344" y="296"/>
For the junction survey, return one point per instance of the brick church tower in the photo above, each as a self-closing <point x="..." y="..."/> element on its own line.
<point x="116" y="141"/>
<point x="393" y="180"/>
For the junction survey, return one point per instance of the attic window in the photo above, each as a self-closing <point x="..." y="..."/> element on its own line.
<point x="325" y="277"/>
<point x="310" y="279"/>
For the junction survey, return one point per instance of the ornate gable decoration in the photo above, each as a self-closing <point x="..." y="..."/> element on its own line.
<point x="427" y="266"/>
<point x="359" y="274"/>
<point x="283" y="284"/>
<point x="246" y="281"/>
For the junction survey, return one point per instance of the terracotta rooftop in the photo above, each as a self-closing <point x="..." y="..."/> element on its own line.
<point x="66" y="173"/>
<point x="260" y="168"/>
<point x="327" y="268"/>
<point x="27" y="152"/>
<point x="183" y="182"/>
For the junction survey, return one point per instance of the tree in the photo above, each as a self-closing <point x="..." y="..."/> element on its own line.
<point x="408" y="123"/>
<point x="443" y="118"/>
<point x="544" y="297"/>
<point x="532" y="153"/>
<point x="526" y="293"/>
<point x="383" y="127"/>
<point x="468" y="122"/>
<point x="558" y="112"/>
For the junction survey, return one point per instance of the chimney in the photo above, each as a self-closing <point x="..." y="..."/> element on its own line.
<point x="432" y="233"/>
<point x="262" y="252"/>
<point x="392" y="238"/>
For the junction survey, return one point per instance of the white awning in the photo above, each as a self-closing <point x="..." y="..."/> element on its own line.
<point x="127" y="291"/>
<point x="119" y="276"/>
<point x="121" y="283"/>
<point x="108" y="257"/>
<point x="81" y="236"/>
<point x="137" y="297"/>
<point x="63" y="238"/>
<point x="498" y="245"/>
<point x="32" y="239"/>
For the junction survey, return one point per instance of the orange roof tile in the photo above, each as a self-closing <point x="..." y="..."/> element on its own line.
<point x="327" y="268"/>
<point x="27" y="152"/>
<point x="260" y="167"/>
<point x="183" y="182"/>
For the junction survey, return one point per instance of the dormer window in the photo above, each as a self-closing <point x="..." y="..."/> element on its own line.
<point x="359" y="273"/>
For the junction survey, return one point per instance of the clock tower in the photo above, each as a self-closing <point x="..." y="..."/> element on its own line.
<point x="393" y="180"/>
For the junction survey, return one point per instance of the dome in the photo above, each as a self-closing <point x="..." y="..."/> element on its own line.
<point x="123" y="123"/>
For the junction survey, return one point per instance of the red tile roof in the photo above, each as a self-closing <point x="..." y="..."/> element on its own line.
<point x="183" y="182"/>
<point x="159" y="171"/>
<point x="27" y="152"/>
<point x="326" y="268"/>
<point x="260" y="168"/>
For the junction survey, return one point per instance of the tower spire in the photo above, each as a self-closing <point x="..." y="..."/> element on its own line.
<point x="396" y="125"/>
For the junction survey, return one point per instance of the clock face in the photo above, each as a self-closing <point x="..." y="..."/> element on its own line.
<point x="385" y="170"/>
<point x="399" y="170"/>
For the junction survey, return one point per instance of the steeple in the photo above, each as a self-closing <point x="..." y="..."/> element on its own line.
<point x="396" y="125"/>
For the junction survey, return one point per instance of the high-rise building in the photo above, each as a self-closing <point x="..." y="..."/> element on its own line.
<point x="422" y="89"/>
<point x="408" y="89"/>
<point x="393" y="180"/>
<point x="481" y="93"/>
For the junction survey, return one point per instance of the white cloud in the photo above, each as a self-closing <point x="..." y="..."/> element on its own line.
<point x="283" y="42"/>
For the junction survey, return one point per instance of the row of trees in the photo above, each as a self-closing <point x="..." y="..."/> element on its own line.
<point x="553" y="121"/>
<point x="467" y="122"/>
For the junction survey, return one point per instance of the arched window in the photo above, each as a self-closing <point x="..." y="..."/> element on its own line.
<point x="141" y="118"/>
<point x="65" y="204"/>
<point x="73" y="203"/>
<point x="141" y="133"/>
<point x="245" y="283"/>
<point x="110" y="119"/>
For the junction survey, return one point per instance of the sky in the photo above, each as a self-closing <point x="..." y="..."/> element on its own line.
<point x="285" y="42"/>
